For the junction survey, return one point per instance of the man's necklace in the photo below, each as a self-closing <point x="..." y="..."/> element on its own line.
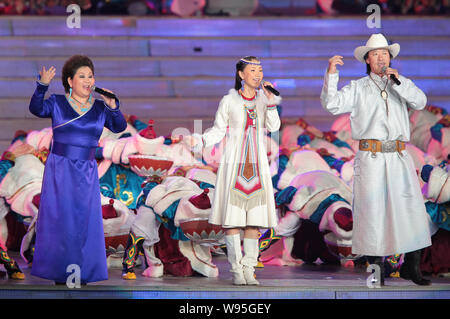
<point x="383" y="93"/>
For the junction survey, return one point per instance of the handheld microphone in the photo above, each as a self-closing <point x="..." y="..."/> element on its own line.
<point x="392" y="76"/>
<point x="105" y="93"/>
<point x="271" y="89"/>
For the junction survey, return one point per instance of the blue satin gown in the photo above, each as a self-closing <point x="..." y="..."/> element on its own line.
<point x="69" y="227"/>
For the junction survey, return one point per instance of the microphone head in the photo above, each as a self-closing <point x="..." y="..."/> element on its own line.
<point x="383" y="69"/>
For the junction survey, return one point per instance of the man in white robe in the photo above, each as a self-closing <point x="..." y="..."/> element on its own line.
<point x="388" y="207"/>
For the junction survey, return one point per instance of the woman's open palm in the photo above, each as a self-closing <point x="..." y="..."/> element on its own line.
<point x="47" y="75"/>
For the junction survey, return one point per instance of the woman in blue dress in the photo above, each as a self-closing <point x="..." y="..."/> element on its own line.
<point x="69" y="228"/>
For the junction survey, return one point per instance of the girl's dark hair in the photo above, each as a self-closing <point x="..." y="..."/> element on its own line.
<point x="72" y="65"/>
<point x="240" y="66"/>
<point x="368" y="69"/>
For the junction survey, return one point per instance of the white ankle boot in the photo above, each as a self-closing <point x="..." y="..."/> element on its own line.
<point x="250" y="260"/>
<point x="234" y="254"/>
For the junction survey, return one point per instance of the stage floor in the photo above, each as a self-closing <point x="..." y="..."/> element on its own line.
<point x="276" y="282"/>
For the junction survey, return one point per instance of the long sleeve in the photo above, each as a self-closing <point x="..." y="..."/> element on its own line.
<point x="39" y="106"/>
<point x="115" y="121"/>
<point x="273" y="122"/>
<point x="411" y="94"/>
<point x="334" y="101"/>
<point x="216" y="133"/>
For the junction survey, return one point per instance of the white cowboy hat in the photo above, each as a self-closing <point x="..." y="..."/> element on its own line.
<point x="376" y="41"/>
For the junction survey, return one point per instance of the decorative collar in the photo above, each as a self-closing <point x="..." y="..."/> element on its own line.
<point x="246" y="98"/>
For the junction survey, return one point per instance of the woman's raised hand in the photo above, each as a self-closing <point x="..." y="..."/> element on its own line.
<point x="267" y="92"/>
<point x="47" y="75"/>
<point x="108" y="100"/>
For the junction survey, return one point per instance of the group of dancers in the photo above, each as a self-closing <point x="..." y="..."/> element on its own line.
<point x="388" y="208"/>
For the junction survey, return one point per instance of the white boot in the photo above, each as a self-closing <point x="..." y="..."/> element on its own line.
<point x="234" y="254"/>
<point x="250" y="260"/>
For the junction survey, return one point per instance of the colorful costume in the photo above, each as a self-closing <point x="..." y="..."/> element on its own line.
<point x="244" y="192"/>
<point x="322" y="199"/>
<point x="69" y="225"/>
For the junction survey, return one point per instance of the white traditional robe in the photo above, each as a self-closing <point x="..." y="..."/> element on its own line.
<point x="388" y="207"/>
<point x="231" y="207"/>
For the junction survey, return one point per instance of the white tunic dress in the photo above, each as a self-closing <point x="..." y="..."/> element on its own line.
<point x="388" y="207"/>
<point x="243" y="195"/>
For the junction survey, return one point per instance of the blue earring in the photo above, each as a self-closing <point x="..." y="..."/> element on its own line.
<point x="70" y="92"/>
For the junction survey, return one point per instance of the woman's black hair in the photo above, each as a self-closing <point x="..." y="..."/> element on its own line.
<point x="240" y="66"/>
<point x="71" y="66"/>
<point x="368" y="69"/>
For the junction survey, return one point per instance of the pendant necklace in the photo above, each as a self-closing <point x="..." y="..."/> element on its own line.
<point x="251" y="109"/>
<point x="82" y="107"/>
<point x="383" y="93"/>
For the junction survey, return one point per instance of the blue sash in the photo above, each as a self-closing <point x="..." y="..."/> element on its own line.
<point x="73" y="152"/>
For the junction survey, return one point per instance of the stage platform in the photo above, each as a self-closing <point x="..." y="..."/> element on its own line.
<point x="276" y="282"/>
